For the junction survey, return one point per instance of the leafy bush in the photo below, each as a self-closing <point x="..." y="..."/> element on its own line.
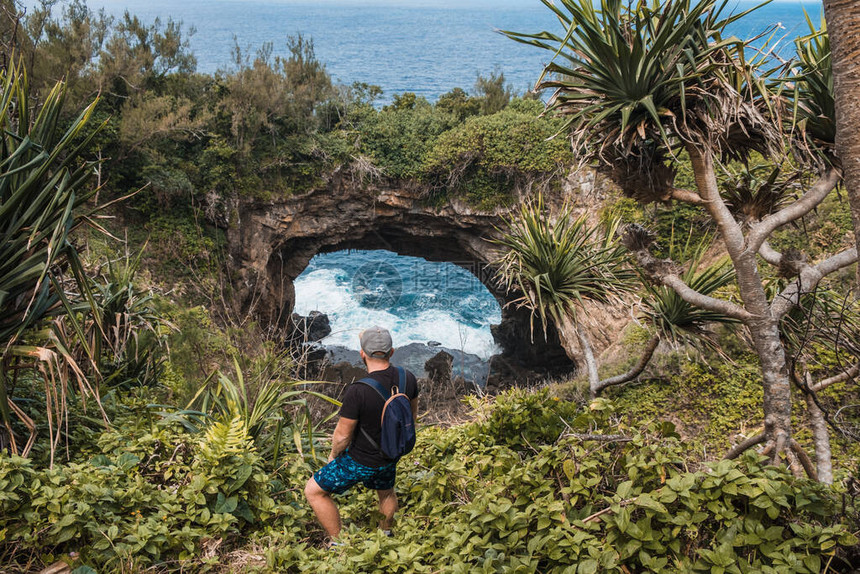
<point x="485" y="158"/>
<point x="151" y="499"/>
<point x="709" y="403"/>
<point x="398" y="136"/>
<point x="182" y="247"/>
<point x="533" y="485"/>
<point x="544" y="502"/>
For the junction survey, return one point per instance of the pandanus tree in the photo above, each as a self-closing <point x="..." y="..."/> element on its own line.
<point x="560" y="264"/>
<point x="822" y="338"/>
<point x="43" y="191"/>
<point x="646" y="83"/>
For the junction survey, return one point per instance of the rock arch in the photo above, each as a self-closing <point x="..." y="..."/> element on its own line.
<point x="272" y="242"/>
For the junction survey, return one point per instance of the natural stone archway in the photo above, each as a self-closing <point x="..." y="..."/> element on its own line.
<point x="272" y="242"/>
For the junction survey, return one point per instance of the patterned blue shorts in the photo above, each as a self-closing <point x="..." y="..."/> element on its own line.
<point x="343" y="473"/>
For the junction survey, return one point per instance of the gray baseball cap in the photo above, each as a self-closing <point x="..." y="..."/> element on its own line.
<point x="375" y="342"/>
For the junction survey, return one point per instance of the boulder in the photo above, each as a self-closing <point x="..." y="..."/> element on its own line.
<point x="438" y="368"/>
<point x="343" y="373"/>
<point x="315" y="327"/>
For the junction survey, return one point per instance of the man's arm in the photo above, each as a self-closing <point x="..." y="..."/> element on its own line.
<point x="414" y="404"/>
<point x="342" y="436"/>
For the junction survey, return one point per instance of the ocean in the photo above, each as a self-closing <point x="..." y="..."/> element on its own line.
<point x="403" y="45"/>
<point x="419" y="301"/>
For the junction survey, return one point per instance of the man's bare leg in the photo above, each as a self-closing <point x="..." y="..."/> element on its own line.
<point x="387" y="506"/>
<point x="324" y="508"/>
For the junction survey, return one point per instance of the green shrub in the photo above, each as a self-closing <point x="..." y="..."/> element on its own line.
<point x="485" y="158"/>
<point x="398" y="137"/>
<point x="540" y="501"/>
<point x="180" y="247"/>
<point x="710" y="403"/>
<point x="153" y="498"/>
<point x="533" y="485"/>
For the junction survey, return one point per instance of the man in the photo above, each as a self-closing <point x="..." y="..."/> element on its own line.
<point x="355" y="456"/>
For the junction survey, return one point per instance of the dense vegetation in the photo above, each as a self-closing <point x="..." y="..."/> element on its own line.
<point x="533" y="484"/>
<point x="265" y="125"/>
<point x="640" y="86"/>
<point x="160" y="428"/>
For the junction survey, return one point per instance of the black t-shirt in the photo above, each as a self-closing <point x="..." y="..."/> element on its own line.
<point x="362" y="403"/>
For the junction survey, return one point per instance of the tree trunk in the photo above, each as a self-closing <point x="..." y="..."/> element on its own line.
<point x="568" y="339"/>
<point x="821" y="438"/>
<point x="843" y="27"/>
<point x="578" y="348"/>
<point x="762" y="325"/>
<point x="634" y="371"/>
<point x="777" y="388"/>
<point x="590" y="362"/>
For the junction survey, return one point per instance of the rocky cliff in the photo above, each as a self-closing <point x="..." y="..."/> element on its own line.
<point x="271" y="243"/>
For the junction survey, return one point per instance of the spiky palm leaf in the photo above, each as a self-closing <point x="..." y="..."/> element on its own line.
<point x="823" y="317"/>
<point x="677" y="320"/>
<point x="43" y="185"/>
<point x="753" y="192"/>
<point x="650" y="76"/>
<point x="810" y="88"/>
<point x="126" y="336"/>
<point x="262" y="406"/>
<point x="558" y="266"/>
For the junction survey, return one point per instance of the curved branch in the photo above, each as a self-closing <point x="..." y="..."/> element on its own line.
<point x="693" y="297"/>
<point x="770" y="254"/>
<point x="837" y="262"/>
<point x="635" y="371"/>
<point x="686" y="196"/>
<point x="781" y="443"/>
<point x="816" y="194"/>
<point x="745" y="445"/>
<point x="809" y="278"/>
<point x="841" y="377"/>
<point x="793" y="463"/>
<point x="664" y="272"/>
<point x="706" y="181"/>
<point x="600" y="437"/>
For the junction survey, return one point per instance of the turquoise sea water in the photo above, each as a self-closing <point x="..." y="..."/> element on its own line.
<point x="418" y="300"/>
<point x="402" y="45"/>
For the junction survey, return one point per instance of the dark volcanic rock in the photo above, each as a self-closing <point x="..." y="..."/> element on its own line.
<point x="438" y="368"/>
<point x="529" y="347"/>
<point x="314" y="352"/>
<point x="315" y="327"/>
<point x="415" y="356"/>
<point x="339" y="354"/>
<point x="343" y="372"/>
<point x="505" y="374"/>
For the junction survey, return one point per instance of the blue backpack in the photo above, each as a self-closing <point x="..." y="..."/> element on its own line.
<point x="398" y="425"/>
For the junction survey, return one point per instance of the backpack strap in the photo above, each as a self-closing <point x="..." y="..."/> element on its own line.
<point x="376" y="386"/>
<point x="401" y="387"/>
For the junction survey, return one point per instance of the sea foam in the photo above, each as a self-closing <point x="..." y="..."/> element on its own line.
<point x="457" y="314"/>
